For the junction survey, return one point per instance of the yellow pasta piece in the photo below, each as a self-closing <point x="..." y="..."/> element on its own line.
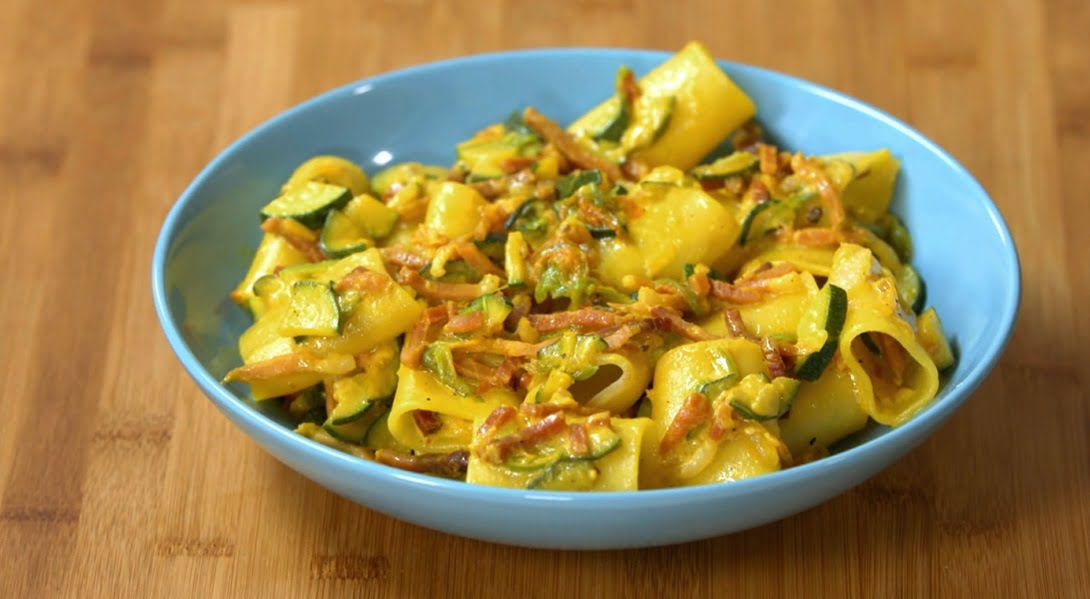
<point x="454" y="210"/>
<point x="376" y="316"/>
<point x="419" y="390"/>
<point x="873" y="307"/>
<point x="680" y="225"/>
<point x="816" y="261"/>
<point x="273" y="251"/>
<point x="619" y="383"/>
<point x="619" y="470"/>
<point x="867" y="195"/>
<point x="824" y="412"/>
<point x="707" y="107"/>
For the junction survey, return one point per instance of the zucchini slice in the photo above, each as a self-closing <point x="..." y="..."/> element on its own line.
<point x="651" y="118"/>
<point x="616" y="121"/>
<point x="375" y="219"/>
<point x="307" y="203"/>
<point x="763" y="218"/>
<point x="340" y="236"/>
<point x="330" y="169"/>
<point x="826" y="313"/>
<point x="566" y="475"/>
<point x="911" y="288"/>
<point x="355" y="431"/>
<point x="569" y="184"/>
<point x="313" y="311"/>
<point x="737" y="164"/>
<point x="757" y="398"/>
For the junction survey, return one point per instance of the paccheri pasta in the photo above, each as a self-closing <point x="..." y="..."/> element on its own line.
<point x="594" y="308"/>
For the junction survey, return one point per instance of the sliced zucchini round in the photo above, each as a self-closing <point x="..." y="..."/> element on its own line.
<point x="308" y="203"/>
<point x="340" y="236"/>
<point x="737" y="164"/>
<point x="313" y="311"/>
<point x="827" y="312"/>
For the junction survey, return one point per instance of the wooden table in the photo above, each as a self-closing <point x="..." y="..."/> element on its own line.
<point x="118" y="478"/>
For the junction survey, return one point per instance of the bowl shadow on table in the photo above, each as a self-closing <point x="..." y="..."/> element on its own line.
<point x="961" y="487"/>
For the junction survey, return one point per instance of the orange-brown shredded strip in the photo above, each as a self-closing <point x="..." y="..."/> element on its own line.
<point x="723" y="421"/>
<point x="452" y="465"/>
<point x="577" y="437"/>
<point x="528" y="437"/>
<point x="399" y="256"/>
<point x="772" y="272"/>
<point x="540" y="410"/>
<point x="629" y="87"/>
<point x="770" y="159"/>
<point x="830" y="195"/>
<point x="465" y="323"/>
<point x="817" y="237"/>
<point x="492" y="423"/>
<point x="438" y="289"/>
<point x="501" y="347"/>
<point x="695" y="411"/>
<point x="700" y="284"/>
<point x="735" y="325"/>
<point x="473" y="256"/>
<point x="293" y="363"/>
<point x="894" y="356"/>
<point x="589" y="319"/>
<point x="722" y="290"/>
<point x="773" y="358"/>
<point x="515" y="164"/>
<point x="670" y="320"/>
<point x="566" y="144"/>
<point x="362" y="279"/>
<point x="416" y="340"/>
<point x="300" y="237"/>
<point x="624" y="334"/>
<point x="427" y="421"/>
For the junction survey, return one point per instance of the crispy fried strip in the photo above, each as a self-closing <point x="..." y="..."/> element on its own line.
<point x="566" y="144"/>
<point x="528" y="437"/>
<point x="670" y="320"/>
<point x="501" y="347"/>
<point x="473" y="256"/>
<point x="452" y="465"/>
<point x="724" y="291"/>
<point x="465" y="323"/>
<point x="362" y="279"/>
<point x="300" y="237"/>
<point x="817" y="237"/>
<point x="894" y="356"/>
<point x="624" y="334"/>
<point x="416" y="340"/>
<point x="492" y="423"/>
<point x="830" y="195"/>
<point x="438" y="289"/>
<point x="427" y="421"/>
<point x="771" y="272"/>
<point x="591" y="319"/>
<point x="515" y="164"/>
<point x="293" y="363"/>
<point x="695" y="411"/>
<point x="770" y="160"/>
<point x="399" y="256"/>
<point x="577" y="437"/>
<point x="773" y="358"/>
<point x="735" y="325"/>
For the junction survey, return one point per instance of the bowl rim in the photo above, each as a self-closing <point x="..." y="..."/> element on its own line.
<point x="240" y="410"/>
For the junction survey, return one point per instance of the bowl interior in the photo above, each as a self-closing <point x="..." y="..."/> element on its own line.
<point x="963" y="249"/>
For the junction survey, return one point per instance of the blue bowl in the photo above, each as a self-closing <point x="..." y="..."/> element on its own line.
<point x="963" y="250"/>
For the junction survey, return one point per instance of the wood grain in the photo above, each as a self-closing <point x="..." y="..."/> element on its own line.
<point x="117" y="478"/>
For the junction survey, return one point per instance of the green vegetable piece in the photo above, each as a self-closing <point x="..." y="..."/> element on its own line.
<point x="340" y="236"/>
<point x="307" y="203"/>
<point x="568" y="184"/>
<point x="439" y="359"/>
<point x="313" y="310"/>
<point x="830" y="308"/>
<point x="757" y="398"/>
<point x="566" y="475"/>
<point x="737" y="164"/>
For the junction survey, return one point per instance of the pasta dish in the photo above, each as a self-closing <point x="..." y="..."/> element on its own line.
<point x="653" y="296"/>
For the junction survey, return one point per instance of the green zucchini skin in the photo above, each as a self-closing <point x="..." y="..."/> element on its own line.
<point x="308" y="203"/>
<point x="836" y="308"/>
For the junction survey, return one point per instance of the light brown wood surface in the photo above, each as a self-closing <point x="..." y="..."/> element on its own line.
<point x="118" y="478"/>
